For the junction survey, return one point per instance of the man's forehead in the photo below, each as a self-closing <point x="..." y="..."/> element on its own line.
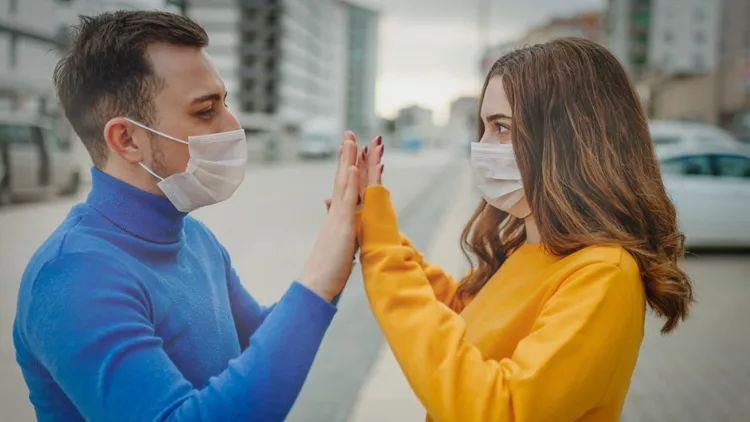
<point x="185" y="71"/>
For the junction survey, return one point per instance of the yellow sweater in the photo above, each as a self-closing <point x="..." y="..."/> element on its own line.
<point x="546" y="339"/>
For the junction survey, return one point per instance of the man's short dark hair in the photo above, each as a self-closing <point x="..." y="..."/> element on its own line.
<point x="106" y="74"/>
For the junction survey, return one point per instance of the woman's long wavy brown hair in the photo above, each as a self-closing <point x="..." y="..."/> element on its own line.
<point x="589" y="171"/>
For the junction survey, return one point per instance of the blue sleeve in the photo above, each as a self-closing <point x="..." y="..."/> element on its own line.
<point x="89" y="323"/>
<point x="247" y="313"/>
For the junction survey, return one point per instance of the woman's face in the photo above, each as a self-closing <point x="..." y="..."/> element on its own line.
<point x="496" y="114"/>
<point x="497" y="117"/>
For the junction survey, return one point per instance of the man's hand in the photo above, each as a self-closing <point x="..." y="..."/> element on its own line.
<point x="330" y="263"/>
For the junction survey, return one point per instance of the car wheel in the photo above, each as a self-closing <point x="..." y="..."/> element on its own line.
<point x="74" y="185"/>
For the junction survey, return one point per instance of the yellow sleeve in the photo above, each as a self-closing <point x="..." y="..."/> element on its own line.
<point x="558" y="372"/>
<point x="443" y="284"/>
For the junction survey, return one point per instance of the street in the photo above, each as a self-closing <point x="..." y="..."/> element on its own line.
<point x="699" y="373"/>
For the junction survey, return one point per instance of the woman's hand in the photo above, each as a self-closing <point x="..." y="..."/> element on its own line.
<point x="369" y="166"/>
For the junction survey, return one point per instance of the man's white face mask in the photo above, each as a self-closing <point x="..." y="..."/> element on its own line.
<point x="498" y="177"/>
<point x="215" y="170"/>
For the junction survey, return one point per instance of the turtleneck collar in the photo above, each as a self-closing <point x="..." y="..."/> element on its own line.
<point x="138" y="212"/>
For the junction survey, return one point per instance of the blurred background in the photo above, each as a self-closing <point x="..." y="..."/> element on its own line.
<point x="300" y="72"/>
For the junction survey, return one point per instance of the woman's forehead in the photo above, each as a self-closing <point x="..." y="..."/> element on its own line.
<point x="495" y="101"/>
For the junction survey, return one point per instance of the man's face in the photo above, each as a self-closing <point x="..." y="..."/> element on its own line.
<point x="191" y="102"/>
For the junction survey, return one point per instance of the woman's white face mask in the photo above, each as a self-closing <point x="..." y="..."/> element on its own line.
<point x="493" y="160"/>
<point x="498" y="177"/>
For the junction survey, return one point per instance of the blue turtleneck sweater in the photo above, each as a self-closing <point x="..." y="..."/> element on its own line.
<point x="131" y="311"/>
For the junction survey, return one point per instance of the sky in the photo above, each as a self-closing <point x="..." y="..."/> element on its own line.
<point x="429" y="50"/>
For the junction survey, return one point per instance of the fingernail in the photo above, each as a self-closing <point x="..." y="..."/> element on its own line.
<point x="365" y="149"/>
<point x="382" y="166"/>
<point x="382" y="149"/>
<point x="379" y="140"/>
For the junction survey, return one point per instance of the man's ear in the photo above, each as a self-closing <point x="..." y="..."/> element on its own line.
<point x="118" y="133"/>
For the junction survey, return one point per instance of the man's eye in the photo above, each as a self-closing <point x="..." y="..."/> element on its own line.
<point x="207" y="112"/>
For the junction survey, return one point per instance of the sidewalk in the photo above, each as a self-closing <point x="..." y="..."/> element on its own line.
<point x="387" y="396"/>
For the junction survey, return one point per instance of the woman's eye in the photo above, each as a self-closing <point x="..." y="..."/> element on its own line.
<point x="501" y="128"/>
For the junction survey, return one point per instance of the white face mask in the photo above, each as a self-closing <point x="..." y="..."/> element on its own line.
<point x="215" y="170"/>
<point x="498" y="177"/>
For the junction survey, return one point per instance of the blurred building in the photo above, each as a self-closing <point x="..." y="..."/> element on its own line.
<point x="585" y="25"/>
<point x="414" y="116"/>
<point x="490" y="56"/>
<point x="698" y="66"/>
<point x="221" y="20"/>
<point x="734" y="68"/>
<point x="627" y="33"/>
<point x="361" y="39"/>
<point x="464" y="111"/>
<point x="289" y="62"/>
<point x="29" y="38"/>
<point x="685" y="36"/>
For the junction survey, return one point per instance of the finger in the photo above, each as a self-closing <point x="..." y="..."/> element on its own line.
<point x="328" y="204"/>
<point x="347" y="159"/>
<point x="350" y="136"/>
<point x="362" y="170"/>
<point x="374" y="163"/>
<point x="351" y="193"/>
<point x="379" y="177"/>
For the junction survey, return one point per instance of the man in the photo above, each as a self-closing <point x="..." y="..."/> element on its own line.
<point x="131" y="310"/>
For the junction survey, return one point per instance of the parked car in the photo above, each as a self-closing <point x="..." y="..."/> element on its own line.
<point x="319" y="138"/>
<point x="710" y="187"/>
<point x="34" y="160"/>
<point x="670" y="133"/>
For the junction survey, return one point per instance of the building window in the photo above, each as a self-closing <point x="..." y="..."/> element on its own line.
<point x="250" y="14"/>
<point x="248" y="106"/>
<point x="272" y="19"/>
<point x="249" y="37"/>
<point x="699" y="37"/>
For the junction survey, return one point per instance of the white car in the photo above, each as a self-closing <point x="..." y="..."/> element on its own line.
<point x="710" y="187"/>
<point x="672" y="133"/>
<point x="34" y="160"/>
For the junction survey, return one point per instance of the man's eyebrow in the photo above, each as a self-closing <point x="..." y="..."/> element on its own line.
<point x="209" y="97"/>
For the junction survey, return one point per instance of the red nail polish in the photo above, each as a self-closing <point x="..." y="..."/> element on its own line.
<point x="364" y="150"/>
<point x="379" y="140"/>
<point x="382" y="167"/>
<point x="382" y="149"/>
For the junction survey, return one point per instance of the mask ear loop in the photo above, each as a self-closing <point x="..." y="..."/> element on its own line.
<point x="142" y="126"/>
<point x="151" y="172"/>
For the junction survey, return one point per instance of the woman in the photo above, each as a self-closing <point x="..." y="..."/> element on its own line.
<point x="574" y="236"/>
